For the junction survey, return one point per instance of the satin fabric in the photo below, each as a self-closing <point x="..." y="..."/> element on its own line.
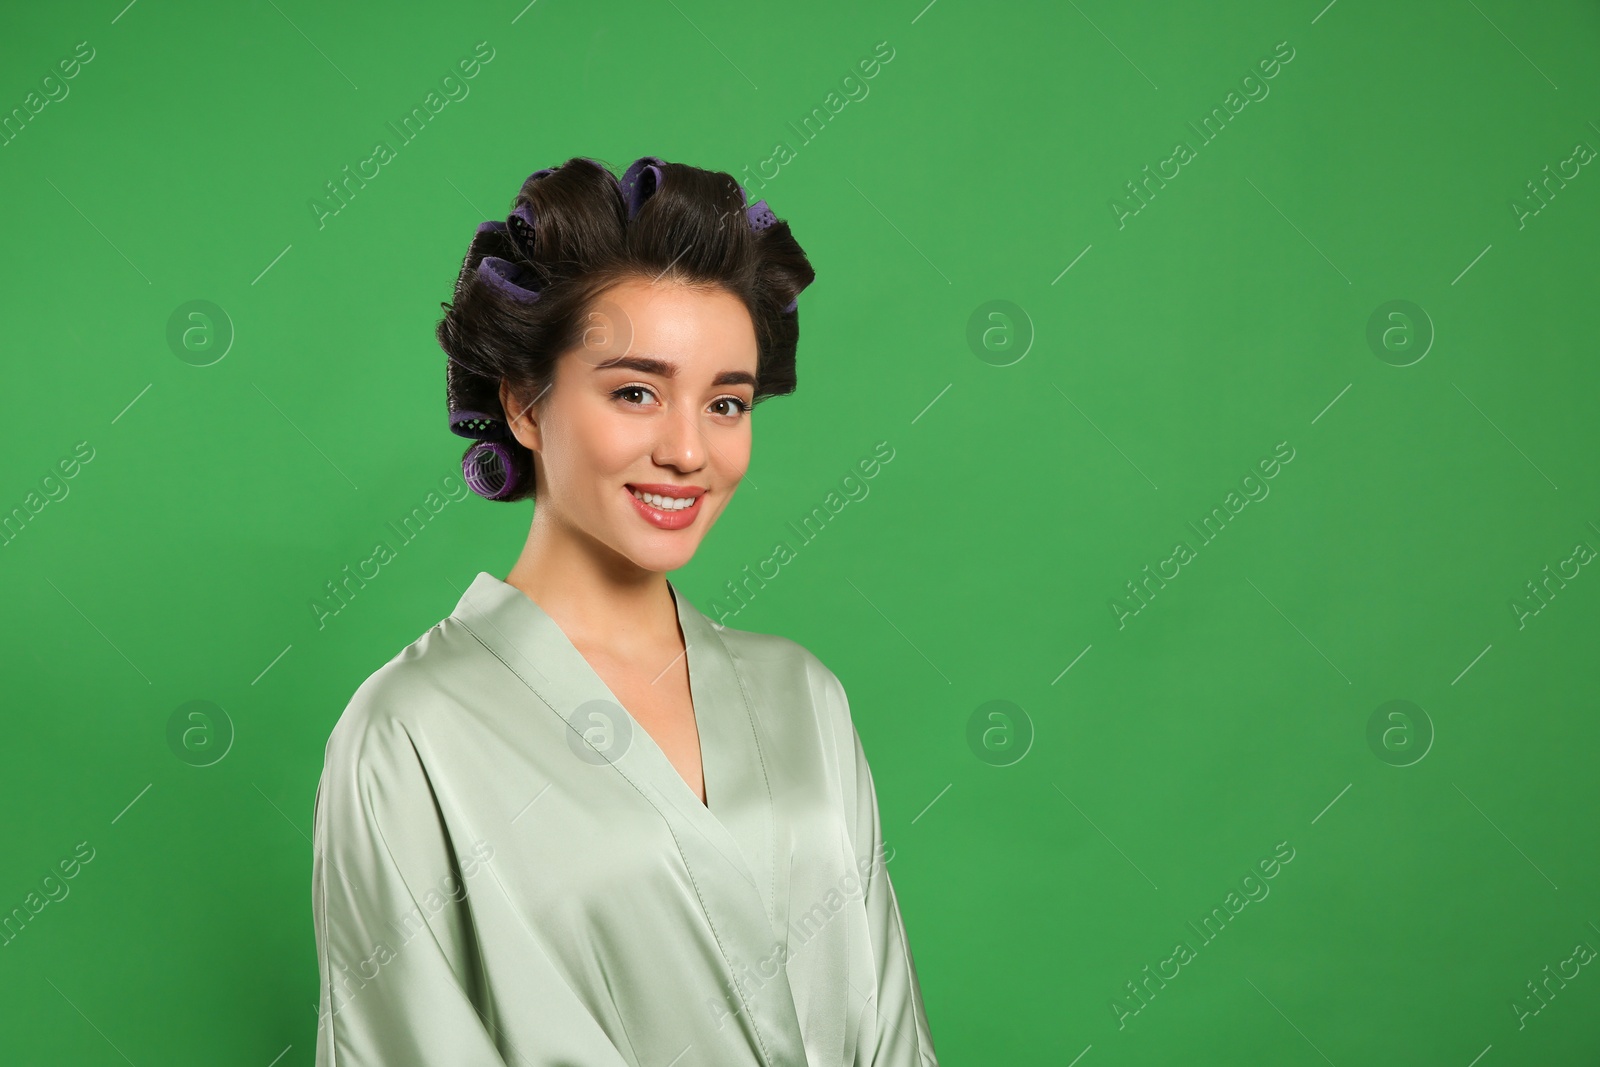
<point x="509" y="871"/>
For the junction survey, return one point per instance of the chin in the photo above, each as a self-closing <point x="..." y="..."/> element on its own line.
<point x="649" y="546"/>
<point x="663" y="558"/>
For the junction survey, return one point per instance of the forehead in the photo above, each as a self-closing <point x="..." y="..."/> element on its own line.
<point x="701" y="330"/>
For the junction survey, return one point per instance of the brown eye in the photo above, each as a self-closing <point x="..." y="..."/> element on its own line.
<point x="739" y="406"/>
<point x="627" y="390"/>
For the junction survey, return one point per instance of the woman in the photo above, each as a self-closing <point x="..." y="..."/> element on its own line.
<point x="578" y="823"/>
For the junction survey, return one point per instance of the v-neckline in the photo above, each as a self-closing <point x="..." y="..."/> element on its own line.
<point x="695" y="665"/>
<point x="689" y="659"/>
<point x="735" y="845"/>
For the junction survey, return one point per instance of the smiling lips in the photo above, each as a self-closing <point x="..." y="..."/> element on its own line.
<point x="667" y="507"/>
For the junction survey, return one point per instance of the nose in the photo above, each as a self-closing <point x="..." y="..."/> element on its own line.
<point x="681" y="444"/>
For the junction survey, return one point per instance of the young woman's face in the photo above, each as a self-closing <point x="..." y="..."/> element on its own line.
<point x="658" y="403"/>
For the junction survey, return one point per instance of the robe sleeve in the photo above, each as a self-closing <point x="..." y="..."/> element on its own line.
<point x="902" y="1038"/>
<point x="395" y="944"/>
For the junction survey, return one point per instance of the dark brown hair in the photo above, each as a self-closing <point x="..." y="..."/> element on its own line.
<point x="528" y="286"/>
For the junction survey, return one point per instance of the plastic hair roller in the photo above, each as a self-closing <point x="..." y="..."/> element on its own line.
<point x="487" y="465"/>
<point x="640" y="181"/>
<point x="506" y="276"/>
<point x="520" y="223"/>
<point x="488" y="470"/>
<point x="760" y="216"/>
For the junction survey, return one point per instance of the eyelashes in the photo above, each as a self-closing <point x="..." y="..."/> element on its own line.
<point x="738" y="402"/>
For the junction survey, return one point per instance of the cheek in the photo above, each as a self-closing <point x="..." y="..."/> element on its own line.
<point x="733" y="453"/>
<point x="595" y="447"/>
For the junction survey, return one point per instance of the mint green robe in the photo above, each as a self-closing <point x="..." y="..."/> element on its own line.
<point x="509" y="871"/>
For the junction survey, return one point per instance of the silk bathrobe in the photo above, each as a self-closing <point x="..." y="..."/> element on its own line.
<point x="509" y="871"/>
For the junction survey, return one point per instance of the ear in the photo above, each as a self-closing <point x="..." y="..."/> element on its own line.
<point x="520" y="418"/>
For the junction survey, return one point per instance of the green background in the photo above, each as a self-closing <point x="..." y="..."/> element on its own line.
<point x="1035" y="474"/>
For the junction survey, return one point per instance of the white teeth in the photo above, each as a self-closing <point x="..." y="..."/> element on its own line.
<point x="665" y="503"/>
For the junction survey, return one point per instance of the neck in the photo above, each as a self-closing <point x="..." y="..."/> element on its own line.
<point x="600" y="599"/>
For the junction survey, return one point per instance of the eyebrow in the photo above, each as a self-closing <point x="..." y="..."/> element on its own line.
<point x="664" y="369"/>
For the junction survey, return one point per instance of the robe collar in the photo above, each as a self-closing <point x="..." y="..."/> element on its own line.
<point x="733" y="844"/>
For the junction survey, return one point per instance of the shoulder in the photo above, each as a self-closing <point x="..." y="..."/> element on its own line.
<point x="773" y="651"/>
<point x="760" y="647"/>
<point x="380" y="809"/>
<point x="784" y="665"/>
<point x="401" y="700"/>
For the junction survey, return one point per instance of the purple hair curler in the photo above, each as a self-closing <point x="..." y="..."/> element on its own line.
<point x="478" y="426"/>
<point x="488" y="470"/>
<point x="505" y="276"/>
<point x="521" y="220"/>
<point x="640" y="181"/>
<point x="760" y="216"/>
